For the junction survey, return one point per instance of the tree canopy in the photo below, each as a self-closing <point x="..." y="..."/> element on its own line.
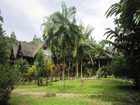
<point x="127" y="33"/>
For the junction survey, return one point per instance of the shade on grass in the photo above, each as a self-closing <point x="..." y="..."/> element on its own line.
<point x="30" y="100"/>
<point x="104" y="91"/>
<point x="74" y="86"/>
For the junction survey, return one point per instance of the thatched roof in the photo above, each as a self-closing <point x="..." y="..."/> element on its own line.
<point x="112" y="49"/>
<point x="30" y="50"/>
<point x="104" y="56"/>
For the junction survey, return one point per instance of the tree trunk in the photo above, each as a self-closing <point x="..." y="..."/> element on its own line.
<point x="91" y="60"/>
<point x="81" y="70"/>
<point x="63" y="79"/>
<point x="46" y="80"/>
<point x="99" y="63"/>
<point x="77" y="63"/>
<point x="69" y="73"/>
<point x="69" y="68"/>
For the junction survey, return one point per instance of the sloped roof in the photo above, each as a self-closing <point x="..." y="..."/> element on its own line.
<point x="112" y="49"/>
<point x="105" y="56"/>
<point x="29" y="49"/>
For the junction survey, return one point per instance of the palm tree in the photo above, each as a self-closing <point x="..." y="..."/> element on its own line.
<point x="62" y="33"/>
<point x="84" y="45"/>
<point x="1" y="18"/>
<point x="57" y="33"/>
<point x="57" y="29"/>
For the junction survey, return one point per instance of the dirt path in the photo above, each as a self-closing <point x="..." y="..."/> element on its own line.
<point x="30" y="93"/>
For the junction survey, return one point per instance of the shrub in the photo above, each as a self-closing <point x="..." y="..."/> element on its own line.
<point x="21" y="67"/>
<point x="118" y="66"/>
<point x="31" y="72"/>
<point x="137" y="77"/>
<point x="89" y="72"/>
<point x="7" y="81"/>
<point x="103" y="72"/>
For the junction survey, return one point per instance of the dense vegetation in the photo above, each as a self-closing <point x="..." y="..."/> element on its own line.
<point x="127" y="36"/>
<point x="7" y="77"/>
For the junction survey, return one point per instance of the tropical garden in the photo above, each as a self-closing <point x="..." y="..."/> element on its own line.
<point x="74" y="74"/>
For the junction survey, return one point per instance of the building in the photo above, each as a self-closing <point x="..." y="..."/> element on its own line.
<point x="28" y="51"/>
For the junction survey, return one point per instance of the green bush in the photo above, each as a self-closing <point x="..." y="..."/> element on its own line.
<point x="21" y="67"/>
<point x="118" y="66"/>
<point x="103" y="72"/>
<point x="137" y="71"/>
<point x="89" y="72"/>
<point x="7" y="80"/>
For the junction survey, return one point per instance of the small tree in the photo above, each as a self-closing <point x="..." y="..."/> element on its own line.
<point x="22" y="66"/>
<point x="48" y="66"/>
<point x="6" y="72"/>
<point x="7" y="81"/>
<point x="32" y="71"/>
<point x="118" y="66"/>
<point x="40" y="59"/>
<point x="103" y="72"/>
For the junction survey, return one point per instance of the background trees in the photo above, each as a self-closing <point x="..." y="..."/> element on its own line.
<point x="126" y="34"/>
<point x="69" y="42"/>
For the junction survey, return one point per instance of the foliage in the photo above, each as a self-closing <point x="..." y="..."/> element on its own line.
<point x="36" y="40"/>
<point x="69" y="42"/>
<point x="7" y="77"/>
<point x="7" y="81"/>
<point x="41" y="72"/>
<point x="57" y="31"/>
<point x="118" y="66"/>
<point x="32" y="70"/>
<point x="137" y="66"/>
<point x="89" y="72"/>
<point x="40" y="59"/>
<point x="11" y="43"/>
<point x="48" y="65"/>
<point x="126" y="34"/>
<point x="103" y="72"/>
<point x="3" y="44"/>
<point x="21" y="67"/>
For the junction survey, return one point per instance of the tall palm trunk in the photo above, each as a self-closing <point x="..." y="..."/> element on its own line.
<point x="76" y="67"/>
<point x="69" y="69"/>
<point x="81" y="70"/>
<point x="92" y="62"/>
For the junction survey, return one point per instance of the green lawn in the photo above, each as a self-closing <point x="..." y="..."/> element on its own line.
<point x="109" y="91"/>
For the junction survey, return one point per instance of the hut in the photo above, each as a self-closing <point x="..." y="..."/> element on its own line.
<point x="28" y="51"/>
<point x="104" y="59"/>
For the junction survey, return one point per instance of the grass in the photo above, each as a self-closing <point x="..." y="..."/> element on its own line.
<point x="106" y="91"/>
<point x="29" y="100"/>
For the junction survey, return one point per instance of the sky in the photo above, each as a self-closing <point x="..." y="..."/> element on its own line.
<point x="25" y="17"/>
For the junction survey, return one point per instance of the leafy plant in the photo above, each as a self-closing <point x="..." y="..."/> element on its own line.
<point x="118" y="66"/>
<point x="7" y="81"/>
<point x="102" y="72"/>
<point x="89" y="72"/>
